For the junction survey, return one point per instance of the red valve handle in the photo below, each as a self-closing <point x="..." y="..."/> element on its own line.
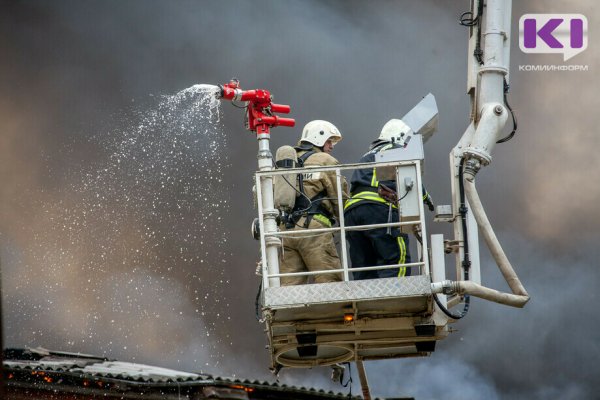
<point x="277" y="121"/>
<point x="280" y="108"/>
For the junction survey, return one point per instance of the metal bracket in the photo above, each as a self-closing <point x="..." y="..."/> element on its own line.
<point x="452" y="246"/>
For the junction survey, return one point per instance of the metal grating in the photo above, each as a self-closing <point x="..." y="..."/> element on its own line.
<point x="373" y="289"/>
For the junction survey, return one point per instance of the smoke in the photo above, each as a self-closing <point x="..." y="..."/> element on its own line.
<point x="125" y="232"/>
<point x="76" y="79"/>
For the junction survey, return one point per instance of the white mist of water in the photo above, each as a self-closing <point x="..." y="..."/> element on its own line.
<point x="126" y="258"/>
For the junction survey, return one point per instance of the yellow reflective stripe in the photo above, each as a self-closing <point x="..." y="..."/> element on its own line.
<point x="351" y="202"/>
<point x="322" y="219"/>
<point x="371" y="196"/>
<point x="402" y="260"/>
<point x="374" y="181"/>
<point x="364" y="196"/>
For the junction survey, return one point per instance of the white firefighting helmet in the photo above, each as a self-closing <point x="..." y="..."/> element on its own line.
<point x="318" y="132"/>
<point x="395" y="130"/>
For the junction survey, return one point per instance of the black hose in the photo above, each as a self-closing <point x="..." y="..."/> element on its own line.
<point x="512" y="113"/>
<point x="468" y="19"/>
<point x="466" y="263"/>
<point x="257" y="302"/>
<point x="478" y="53"/>
<point x="463" y="217"/>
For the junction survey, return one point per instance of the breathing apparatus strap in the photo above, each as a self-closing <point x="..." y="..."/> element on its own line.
<point x="303" y="157"/>
<point x="301" y="161"/>
<point x="308" y="207"/>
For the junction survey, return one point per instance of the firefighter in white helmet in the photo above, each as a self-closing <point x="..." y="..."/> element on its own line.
<point x="315" y="207"/>
<point x="374" y="202"/>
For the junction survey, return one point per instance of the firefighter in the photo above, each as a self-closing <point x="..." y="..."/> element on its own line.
<point x="374" y="202"/>
<point x="315" y="207"/>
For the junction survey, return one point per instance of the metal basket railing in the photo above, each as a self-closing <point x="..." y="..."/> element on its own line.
<point x="422" y="267"/>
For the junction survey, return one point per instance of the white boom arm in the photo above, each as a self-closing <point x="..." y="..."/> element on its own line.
<point x="489" y="115"/>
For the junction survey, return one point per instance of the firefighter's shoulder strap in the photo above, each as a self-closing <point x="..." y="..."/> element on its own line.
<point x="310" y="207"/>
<point x="301" y="160"/>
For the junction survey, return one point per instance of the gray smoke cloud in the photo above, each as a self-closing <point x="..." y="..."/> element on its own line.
<point x="78" y="79"/>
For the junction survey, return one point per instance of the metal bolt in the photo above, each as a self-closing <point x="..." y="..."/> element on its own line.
<point x="498" y="110"/>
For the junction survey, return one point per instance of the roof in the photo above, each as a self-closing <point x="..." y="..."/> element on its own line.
<point x="77" y="363"/>
<point x="81" y="373"/>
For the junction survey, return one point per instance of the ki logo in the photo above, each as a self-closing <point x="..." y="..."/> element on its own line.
<point x="553" y="33"/>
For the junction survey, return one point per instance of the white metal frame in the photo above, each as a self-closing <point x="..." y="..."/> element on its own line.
<point x="271" y="273"/>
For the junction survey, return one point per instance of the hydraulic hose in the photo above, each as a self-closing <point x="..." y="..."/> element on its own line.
<point x="474" y="289"/>
<point x="519" y="296"/>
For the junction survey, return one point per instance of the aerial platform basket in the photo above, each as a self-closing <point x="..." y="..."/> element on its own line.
<point x="328" y="323"/>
